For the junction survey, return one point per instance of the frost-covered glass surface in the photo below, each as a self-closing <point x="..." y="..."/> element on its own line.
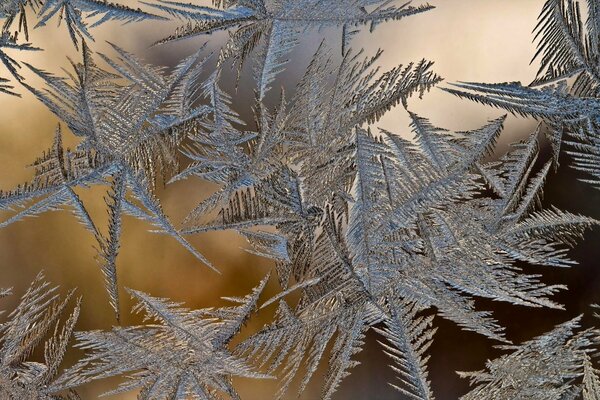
<point x="325" y="164"/>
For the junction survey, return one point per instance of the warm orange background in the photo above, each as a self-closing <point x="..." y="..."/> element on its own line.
<point x="469" y="40"/>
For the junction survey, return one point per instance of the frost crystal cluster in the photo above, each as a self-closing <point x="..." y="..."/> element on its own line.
<point x="369" y="232"/>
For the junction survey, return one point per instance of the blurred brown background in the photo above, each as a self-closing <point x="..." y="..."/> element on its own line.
<point x="469" y="40"/>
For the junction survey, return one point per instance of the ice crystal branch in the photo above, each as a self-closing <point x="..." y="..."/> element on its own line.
<point x="9" y="42"/>
<point x="548" y="367"/>
<point x="183" y="354"/>
<point x="37" y="315"/>
<point x="375" y="233"/>
<point x="73" y="13"/>
<point x="565" y="93"/>
<point x="274" y="27"/>
<point x="129" y="139"/>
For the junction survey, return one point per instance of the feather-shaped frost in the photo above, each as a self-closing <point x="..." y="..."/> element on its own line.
<point x="37" y="315"/>
<point x="182" y="354"/>
<point x="545" y="368"/>
<point x="129" y="136"/>
<point x="275" y="26"/>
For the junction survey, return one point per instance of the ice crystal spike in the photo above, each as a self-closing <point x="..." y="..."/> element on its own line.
<point x="9" y="41"/>
<point x="129" y="140"/>
<point x="565" y="94"/>
<point x="274" y="27"/>
<point x="73" y="13"/>
<point x="409" y="336"/>
<point x="37" y="316"/>
<point x="591" y="380"/>
<point x="548" y="367"/>
<point x="11" y="10"/>
<point x="182" y="354"/>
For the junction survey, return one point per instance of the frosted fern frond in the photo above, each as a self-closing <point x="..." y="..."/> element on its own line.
<point x="129" y="125"/>
<point x="591" y="380"/>
<point x="562" y="113"/>
<point x="563" y="42"/>
<point x="551" y="102"/>
<point x="371" y="231"/>
<point x="182" y="354"/>
<point x="570" y="77"/>
<point x="367" y="207"/>
<point x="553" y="224"/>
<point x="305" y="14"/>
<point x="568" y="45"/>
<point x="409" y="336"/>
<point x="37" y="315"/>
<point x="584" y="147"/>
<point x="269" y="245"/>
<point x="109" y="245"/>
<point x="548" y="367"/>
<point x="264" y="204"/>
<point x="298" y="341"/>
<point x="8" y="41"/>
<point x="74" y="13"/>
<point x="276" y="26"/>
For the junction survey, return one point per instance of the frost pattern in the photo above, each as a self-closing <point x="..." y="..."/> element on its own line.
<point x="183" y="355"/>
<point x="372" y="231"/>
<point x="37" y="315"/>
<point x="548" y="367"/>
<point x="275" y="26"/>
<point x="73" y="13"/>
<point x="129" y="140"/>
<point x="565" y="93"/>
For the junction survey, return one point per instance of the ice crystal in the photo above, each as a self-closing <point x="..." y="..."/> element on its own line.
<point x="376" y="233"/>
<point x="129" y="138"/>
<point x="9" y="42"/>
<point x="276" y="26"/>
<point x="37" y="315"/>
<point x="383" y="223"/>
<point x="548" y="367"/>
<point x="72" y="12"/>
<point x="565" y="93"/>
<point x="183" y="355"/>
